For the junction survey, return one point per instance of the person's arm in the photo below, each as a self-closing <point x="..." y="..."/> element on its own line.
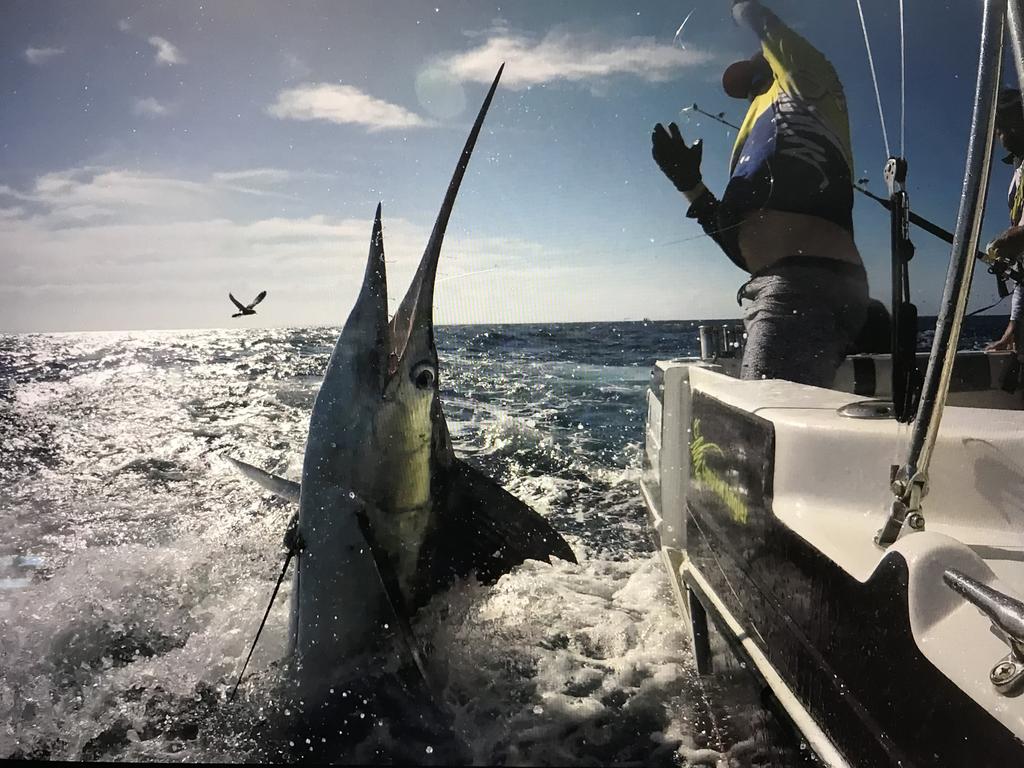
<point x="1009" y="245"/>
<point x="800" y="68"/>
<point x="1008" y="339"/>
<point x="681" y="164"/>
<point x="704" y="208"/>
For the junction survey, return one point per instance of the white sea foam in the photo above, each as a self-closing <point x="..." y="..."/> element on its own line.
<point x="151" y="561"/>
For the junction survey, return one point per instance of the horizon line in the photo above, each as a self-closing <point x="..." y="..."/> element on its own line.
<point x="439" y="325"/>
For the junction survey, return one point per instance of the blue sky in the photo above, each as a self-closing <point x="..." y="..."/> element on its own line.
<point x="154" y="156"/>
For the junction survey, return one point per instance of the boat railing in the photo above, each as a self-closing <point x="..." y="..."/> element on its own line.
<point x="910" y="483"/>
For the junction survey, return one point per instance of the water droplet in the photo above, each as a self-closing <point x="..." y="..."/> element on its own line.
<point x="430" y="750"/>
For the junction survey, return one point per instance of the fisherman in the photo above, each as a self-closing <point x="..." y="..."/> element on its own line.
<point x="786" y="215"/>
<point x="1010" y="244"/>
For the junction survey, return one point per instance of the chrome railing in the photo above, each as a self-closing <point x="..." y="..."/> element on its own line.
<point x="910" y="483"/>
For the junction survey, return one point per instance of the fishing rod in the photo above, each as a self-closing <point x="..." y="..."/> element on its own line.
<point x="1000" y="268"/>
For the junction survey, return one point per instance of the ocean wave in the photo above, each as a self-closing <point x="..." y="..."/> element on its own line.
<point x="153" y="559"/>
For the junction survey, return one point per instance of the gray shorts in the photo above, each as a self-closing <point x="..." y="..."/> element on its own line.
<point x="804" y="313"/>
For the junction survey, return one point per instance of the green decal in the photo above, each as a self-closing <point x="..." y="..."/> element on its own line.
<point x="700" y="449"/>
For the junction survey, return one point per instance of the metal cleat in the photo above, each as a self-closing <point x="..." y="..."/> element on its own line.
<point x="1007" y="617"/>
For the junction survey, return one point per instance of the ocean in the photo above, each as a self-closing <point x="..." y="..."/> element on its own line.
<point x="135" y="563"/>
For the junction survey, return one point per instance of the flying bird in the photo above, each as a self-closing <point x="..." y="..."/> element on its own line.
<point x="247" y="310"/>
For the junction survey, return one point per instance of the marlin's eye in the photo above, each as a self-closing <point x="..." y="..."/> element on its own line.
<point x="424" y="375"/>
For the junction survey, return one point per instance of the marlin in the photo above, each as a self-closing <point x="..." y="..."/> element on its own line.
<point x="388" y="515"/>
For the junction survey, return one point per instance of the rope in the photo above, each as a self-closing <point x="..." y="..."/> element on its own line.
<point x="874" y="77"/>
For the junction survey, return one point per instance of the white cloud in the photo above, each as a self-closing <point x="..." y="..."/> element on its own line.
<point x="125" y="24"/>
<point x="568" y="58"/>
<point x="11" y="192"/>
<point x="264" y="182"/>
<point x="254" y="176"/>
<point x="342" y="104"/>
<point x="166" y="52"/>
<point x="102" y="194"/>
<point x="149" y="107"/>
<point x="170" y="248"/>
<point x="41" y="55"/>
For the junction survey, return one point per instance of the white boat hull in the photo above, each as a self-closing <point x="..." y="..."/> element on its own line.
<point x="765" y="500"/>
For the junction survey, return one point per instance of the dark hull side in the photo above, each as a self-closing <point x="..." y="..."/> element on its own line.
<point x="844" y="647"/>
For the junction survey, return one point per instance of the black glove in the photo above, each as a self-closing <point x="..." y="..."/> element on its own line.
<point x="677" y="161"/>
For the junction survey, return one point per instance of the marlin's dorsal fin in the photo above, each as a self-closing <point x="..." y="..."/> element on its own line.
<point x="482" y="527"/>
<point x="279" y="486"/>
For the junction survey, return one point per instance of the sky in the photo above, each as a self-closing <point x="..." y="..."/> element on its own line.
<point x="155" y="156"/>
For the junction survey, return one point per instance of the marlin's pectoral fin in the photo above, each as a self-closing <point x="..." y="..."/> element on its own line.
<point x="485" y="528"/>
<point x="389" y="581"/>
<point x="279" y="486"/>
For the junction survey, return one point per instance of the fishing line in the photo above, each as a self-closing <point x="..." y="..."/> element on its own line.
<point x="874" y="77"/>
<point x="263" y="623"/>
<point x="667" y="243"/>
<point x="467" y="274"/>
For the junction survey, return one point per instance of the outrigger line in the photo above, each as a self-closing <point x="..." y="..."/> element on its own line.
<point x="874" y="77"/>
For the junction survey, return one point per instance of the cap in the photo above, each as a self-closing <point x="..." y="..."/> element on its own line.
<point x="737" y="78"/>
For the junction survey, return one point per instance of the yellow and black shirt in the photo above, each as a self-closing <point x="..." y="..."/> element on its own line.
<point x="792" y="152"/>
